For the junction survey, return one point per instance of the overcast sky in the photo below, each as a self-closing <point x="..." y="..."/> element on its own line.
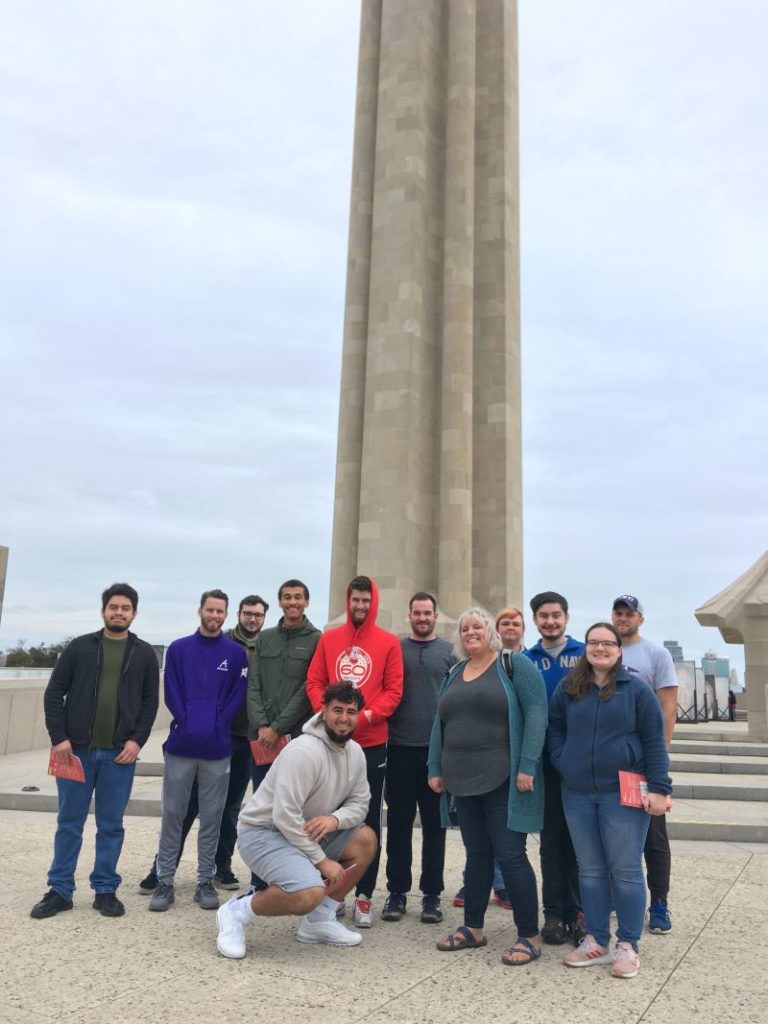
<point x="173" y="219"/>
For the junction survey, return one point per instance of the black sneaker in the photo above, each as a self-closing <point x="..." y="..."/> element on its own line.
<point x="224" y="879"/>
<point x="553" y="932"/>
<point x="576" y="929"/>
<point x="394" y="907"/>
<point x="149" y="884"/>
<point x="108" y="904"/>
<point x="50" y="905"/>
<point x="430" y="909"/>
<point x="162" y="897"/>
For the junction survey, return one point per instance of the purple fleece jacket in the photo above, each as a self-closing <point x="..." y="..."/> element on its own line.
<point x="205" y="680"/>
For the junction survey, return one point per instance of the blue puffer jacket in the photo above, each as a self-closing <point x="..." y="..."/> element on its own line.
<point x="590" y="740"/>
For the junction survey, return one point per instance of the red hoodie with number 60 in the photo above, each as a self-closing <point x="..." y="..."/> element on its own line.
<point x="367" y="656"/>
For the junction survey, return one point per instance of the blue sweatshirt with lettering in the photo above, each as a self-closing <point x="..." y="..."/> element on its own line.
<point x="205" y="679"/>
<point x="555" y="669"/>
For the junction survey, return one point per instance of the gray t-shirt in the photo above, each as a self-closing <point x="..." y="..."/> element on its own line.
<point x="475" y="719"/>
<point x="652" y="663"/>
<point x="426" y="663"/>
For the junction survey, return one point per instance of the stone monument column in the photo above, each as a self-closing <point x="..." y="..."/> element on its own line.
<point x="428" y="476"/>
<point x="740" y="612"/>
<point x="3" y="574"/>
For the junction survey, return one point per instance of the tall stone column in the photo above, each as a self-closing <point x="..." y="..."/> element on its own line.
<point x="428" y="482"/>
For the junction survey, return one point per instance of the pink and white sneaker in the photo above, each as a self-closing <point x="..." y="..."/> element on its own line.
<point x="626" y="962"/>
<point x="588" y="952"/>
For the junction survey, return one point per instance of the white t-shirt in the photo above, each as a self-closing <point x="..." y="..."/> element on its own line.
<point x="652" y="663"/>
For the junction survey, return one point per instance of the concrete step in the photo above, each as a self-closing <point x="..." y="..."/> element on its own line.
<point x="728" y="821"/>
<point x="726" y="748"/>
<point x="709" y="786"/>
<point x="716" y="764"/>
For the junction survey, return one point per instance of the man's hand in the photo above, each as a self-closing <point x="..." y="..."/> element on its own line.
<point x="129" y="753"/>
<point x="62" y="751"/>
<point x="524" y="783"/>
<point x="332" y="870"/>
<point x="436" y="784"/>
<point x="319" y="827"/>
<point x="268" y="737"/>
<point x="657" y="803"/>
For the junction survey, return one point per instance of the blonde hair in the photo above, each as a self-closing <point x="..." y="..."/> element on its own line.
<point x="492" y="636"/>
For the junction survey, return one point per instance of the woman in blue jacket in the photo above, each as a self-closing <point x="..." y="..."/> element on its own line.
<point x="603" y="720"/>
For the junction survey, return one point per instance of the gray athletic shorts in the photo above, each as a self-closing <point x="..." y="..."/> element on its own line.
<point x="269" y="855"/>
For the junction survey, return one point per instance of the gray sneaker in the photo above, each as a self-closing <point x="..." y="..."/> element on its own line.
<point x="206" y="896"/>
<point x="162" y="897"/>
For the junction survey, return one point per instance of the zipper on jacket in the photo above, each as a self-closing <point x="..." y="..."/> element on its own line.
<point x="594" y="738"/>
<point x="123" y="674"/>
<point x="95" y="688"/>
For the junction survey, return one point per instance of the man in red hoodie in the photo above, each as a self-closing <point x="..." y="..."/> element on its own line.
<point x="362" y="653"/>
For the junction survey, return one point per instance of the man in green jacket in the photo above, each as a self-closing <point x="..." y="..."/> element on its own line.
<point x="277" y="699"/>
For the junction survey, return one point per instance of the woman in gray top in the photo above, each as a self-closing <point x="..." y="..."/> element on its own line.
<point x="485" y="750"/>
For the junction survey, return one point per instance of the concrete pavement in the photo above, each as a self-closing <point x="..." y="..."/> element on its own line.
<point x="145" y="968"/>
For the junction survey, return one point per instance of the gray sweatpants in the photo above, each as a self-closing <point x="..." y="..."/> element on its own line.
<point x="212" y="783"/>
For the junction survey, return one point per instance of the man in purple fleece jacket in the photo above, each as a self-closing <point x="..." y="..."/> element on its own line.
<point x="205" y="680"/>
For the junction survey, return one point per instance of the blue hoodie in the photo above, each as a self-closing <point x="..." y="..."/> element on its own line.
<point x="590" y="740"/>
<point x="204" y="680"/>
<point x="555" y="669"/>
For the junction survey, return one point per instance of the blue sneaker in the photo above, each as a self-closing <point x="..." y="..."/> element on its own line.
<point x="659" y="919"/>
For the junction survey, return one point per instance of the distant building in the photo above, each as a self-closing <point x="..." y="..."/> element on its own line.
<point x="674" y="649"/>
<point x="703" y="689"/>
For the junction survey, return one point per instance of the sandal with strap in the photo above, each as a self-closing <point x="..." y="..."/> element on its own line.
<point x="523" y="947"/>
<point x="461" y="939"/>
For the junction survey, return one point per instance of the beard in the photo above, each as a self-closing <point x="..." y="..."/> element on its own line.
<point x="113" y="627"/>
<point x="336" y="737"/>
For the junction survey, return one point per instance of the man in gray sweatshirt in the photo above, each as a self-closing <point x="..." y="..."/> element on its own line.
<point x="302" y="831"/>
<point x="426" y="661"/>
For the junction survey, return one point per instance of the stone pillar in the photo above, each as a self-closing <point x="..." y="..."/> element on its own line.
<point x="428" y="482"/>
<point x="740" y="612"/>
<point x="3" y="574"/>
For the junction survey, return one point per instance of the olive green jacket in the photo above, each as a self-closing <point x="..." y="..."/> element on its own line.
<point x="277" y="676"/>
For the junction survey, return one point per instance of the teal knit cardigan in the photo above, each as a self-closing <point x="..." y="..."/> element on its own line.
<point x="527" y="702"/>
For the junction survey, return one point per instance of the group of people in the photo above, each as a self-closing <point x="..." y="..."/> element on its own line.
<point x="500" y="739"/>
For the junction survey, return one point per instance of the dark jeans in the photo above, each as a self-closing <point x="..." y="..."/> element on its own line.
<point x="239" y="777"/>
<point x="376" y="763"/>
<point x="559" y="870"/>
<point x="406" y="789"/>
<point x="483" y="823"/>
<point x="658" y="859"/>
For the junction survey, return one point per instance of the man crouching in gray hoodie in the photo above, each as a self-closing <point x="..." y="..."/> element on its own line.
<point x="302" y="831"/>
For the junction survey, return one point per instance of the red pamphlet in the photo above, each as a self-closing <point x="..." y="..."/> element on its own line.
<point x="632" y="788"/>
<point x="263" y="755"/>
<point x="330" y="890"/>
<point x="66" y="767"/>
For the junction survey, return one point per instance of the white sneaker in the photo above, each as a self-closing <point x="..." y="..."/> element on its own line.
<point x="626" y="962"/>
<point x="231" y="938"/>
<point x="333" y="933"/>
<point x="362" y="912"/>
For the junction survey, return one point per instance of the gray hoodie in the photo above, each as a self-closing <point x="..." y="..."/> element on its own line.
<point x="309" y="777"/>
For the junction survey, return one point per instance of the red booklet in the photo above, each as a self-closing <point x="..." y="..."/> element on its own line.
<point x="632" y="788"/>
<point x="330" y="890"/>
<point x="262" y="755"/>
<point x="66" y="767"/>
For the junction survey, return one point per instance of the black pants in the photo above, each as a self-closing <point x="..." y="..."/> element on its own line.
<point x="239" y="776"/>
<point x="406" y="789"/>
<point x="559" y="870"/>
<point x="376" y="762"/>
<point x="658" y="859"/>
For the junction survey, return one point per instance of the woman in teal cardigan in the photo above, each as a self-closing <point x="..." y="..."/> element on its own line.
<point x="485" y="750"/>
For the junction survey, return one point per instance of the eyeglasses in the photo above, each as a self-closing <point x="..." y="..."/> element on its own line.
<point x="252" y="615"/>
<point x="602" y="643"/>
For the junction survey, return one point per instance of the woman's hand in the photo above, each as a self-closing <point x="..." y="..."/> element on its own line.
<point x="436" y="784"/>
<point x="657" y="803"/>
<point x="524" y="783"/>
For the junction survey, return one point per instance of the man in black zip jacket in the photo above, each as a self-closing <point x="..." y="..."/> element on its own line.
<point x="100" y="704"/>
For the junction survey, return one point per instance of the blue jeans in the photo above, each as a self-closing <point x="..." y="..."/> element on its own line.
<point x="483" y="823"/>
<point x="608" y="839"/>
<point x="112" y="785"/>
